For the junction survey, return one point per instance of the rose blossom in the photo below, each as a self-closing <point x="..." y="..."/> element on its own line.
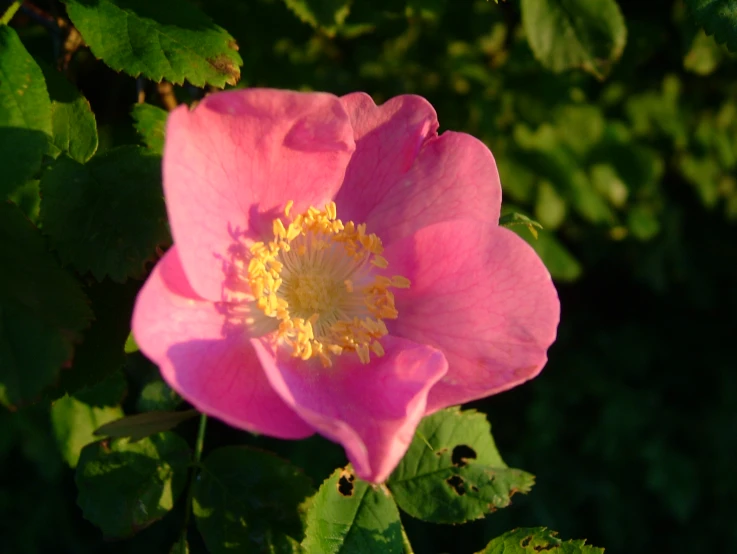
<point x="337" y="268"/>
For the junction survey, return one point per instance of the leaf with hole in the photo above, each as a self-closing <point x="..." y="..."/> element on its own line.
<point x="452" y="472"/>
<point x="536" y="540"/>
<point x="165" y="39"/>
<point x="247" y="500"/>
<point x="349" y="516"/>
<point x="125" y="486"/>
<point x="119" y="195"/>
<point x="567" y="34"/>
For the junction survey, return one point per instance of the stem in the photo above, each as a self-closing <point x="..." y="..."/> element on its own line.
<point x="405" y="541"/>
<point x="196" y="457"/>
<point x="10" y="12"/>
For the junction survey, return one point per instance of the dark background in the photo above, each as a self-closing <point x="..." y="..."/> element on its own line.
<point x="631" y="428"/>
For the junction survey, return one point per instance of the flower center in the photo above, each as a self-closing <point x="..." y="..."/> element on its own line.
<point x="321" y="280"/>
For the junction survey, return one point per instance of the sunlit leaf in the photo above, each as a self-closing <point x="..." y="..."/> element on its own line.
<point x="452" y="472"/>
<point x="165" y="39"/>
<point x="536" y="540"/>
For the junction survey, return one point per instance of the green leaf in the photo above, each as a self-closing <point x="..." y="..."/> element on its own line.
<point x="74" y="129"/>
<point x="350" y="516"/>
<point x="101" y="353"/>
<point x="140" y="426"/>
<point x="567" y="34"/>
<point x="43" y="311"/>
<point x="25" y="113"/>
<point x="157" y="395"/>
<point x="718" y="18"/>
<point x="150" y="122"/>
<point x="166" y="39"/>
<point x="125" y="486"/>
<point x="510" y="219"/>
<point x="180" y="547"/>
<point x="452" y="472"/>
<point x="74" y="422"/>
<point x="536" y="540"/>
<point x="561" y="264"/>
<point x="704" y="56"/>
<point x="325" y="14"/>
<point x="246" y="500"/>
<point x="118" y="195"/>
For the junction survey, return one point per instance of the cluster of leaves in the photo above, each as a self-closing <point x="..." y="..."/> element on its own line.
<point x="588" y="135"/>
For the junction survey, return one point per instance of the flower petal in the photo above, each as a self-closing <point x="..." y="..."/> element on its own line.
<point x="388" y="139"/>
<point x="403" y="176"/>
<point x="231" y="165"/>
<point x="372" y="410"/>
<point x="210" y="366"/>
<point x="481" y="295"/>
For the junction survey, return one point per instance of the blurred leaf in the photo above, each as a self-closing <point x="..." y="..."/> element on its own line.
<point x="25" y="113"/>
<point x="642" y="223"/>
<point x="718" y="18"/>
<point x="326" y="14"/>
<point x="125" y="486"/>
<point x="566" y="34"/>
<point x="74" y="423"/>
<point x="157" y="395"/>
<point x="452" y="472"/>
<point x="247" y="500"/>
<point x="704" y="56"/>
<point x="510" y="219"/>
<point x="118" y="194"/>
<point x="166" y="39"/>
<point x="150" y="122"/>
<point x="139" y="426"/>
<point x="130" y="344"/>
<point x="550" y="208"/>
<point x="560" y="262"/>
<point x="42" y="311"/>
<point x="28" y="199"/>
<point x="180" y="547"/>
<point x="349" y="515"/>
<point x="536" y="540"/>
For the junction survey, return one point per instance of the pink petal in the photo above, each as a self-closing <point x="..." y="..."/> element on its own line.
<point x="372" y="410"/>
<point x="388" y="139"/>
<point x="481" y="295"/>
<point x="403" y="177"/>
<point x="212" y="367"/>
<point x="231" y="165"/>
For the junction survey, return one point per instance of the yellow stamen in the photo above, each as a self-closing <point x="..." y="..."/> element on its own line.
<point x="319" y="279"/>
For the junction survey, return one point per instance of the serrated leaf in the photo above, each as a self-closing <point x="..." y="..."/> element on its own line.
<point x="246" y="500"/>
<point x="118" y="195"/>
<point x="350" y="516"/>
<point x="74" y="128"/>
<point x="43" y="311"/>
<point x="536" y="540"/>
<point x="718" y="18"/>
<point x="140" y="426"/>
<point x="125" y="486"/>
<point x="166" y="39"/>
<point x="452" y="472"/>
<point x="25" y="113"/>
<point x="150" y="122"/>
<point x="567" y="34"/>
<point x="74" y="422"/>
<point x="325" y="14"/>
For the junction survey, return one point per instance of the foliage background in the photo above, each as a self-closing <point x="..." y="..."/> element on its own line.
<point x="631" y="428"/>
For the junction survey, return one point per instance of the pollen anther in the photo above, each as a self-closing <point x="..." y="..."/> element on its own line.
<point x="319" y="277"/>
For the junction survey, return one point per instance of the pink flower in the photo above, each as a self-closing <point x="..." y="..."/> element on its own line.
<point x="280" y="316"/>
